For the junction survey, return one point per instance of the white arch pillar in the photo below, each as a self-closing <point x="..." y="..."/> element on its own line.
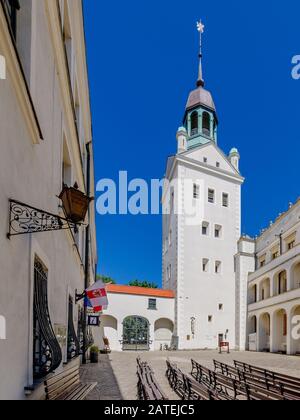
<point x="152" y="337"/>
<point x="272" y="332"/>
<point x="289" y="334"/>
<point x="289" y="275"/>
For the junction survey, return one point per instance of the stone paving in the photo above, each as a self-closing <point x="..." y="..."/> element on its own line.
<point x="117" y="380"/>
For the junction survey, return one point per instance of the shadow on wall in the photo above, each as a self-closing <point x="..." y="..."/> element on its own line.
<point x="107" y="388"/>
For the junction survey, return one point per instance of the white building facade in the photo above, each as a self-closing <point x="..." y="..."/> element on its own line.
<point x="45" y="140"/>
<point x="201" y="228"/>
<point x="273" y="283"/>
<point x="137" y="319"/>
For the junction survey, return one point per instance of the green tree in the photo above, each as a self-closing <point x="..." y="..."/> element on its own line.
<point x="105" y="279"/>
<point x="146" y="284"/>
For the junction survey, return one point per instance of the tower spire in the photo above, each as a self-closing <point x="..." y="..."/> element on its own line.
<point x="200" y="28"/>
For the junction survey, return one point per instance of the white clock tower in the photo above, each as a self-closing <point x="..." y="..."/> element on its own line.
<point x="199" y="246"/>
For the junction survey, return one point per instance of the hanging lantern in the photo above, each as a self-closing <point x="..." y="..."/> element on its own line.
<point x="75" y="203"/>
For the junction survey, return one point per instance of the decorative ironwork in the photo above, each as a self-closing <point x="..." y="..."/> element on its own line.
<point x="47" y="354"/>
<point x="24" y="219"/>
<point x="73" y="342"/>
<point x="80" y="329"/>
<point x="136" y="334"/>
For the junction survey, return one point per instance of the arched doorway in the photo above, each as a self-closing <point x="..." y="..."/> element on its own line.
<point x="280" y="332"/>
<point x="280" y="283"/>
<point x="136" y="334"/>
<point x="265" y="289"/>
<point x="253" y="333"/>
<point x="295" y="329"/>
<point x="109" y="329"/>
<point x="296" y="276"/>
<point x="264" y="333"/>
<point x="163" y="332"/>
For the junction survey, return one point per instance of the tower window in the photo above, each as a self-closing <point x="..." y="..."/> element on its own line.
<point x="205" y="227"/>
<point x="225" y="200"/>
<point x="218" y="267"/>
<point x="194" y="124"/>
<point x="205" y="264"/>
<point x="206" y="124"/>
<point x="196" y="192"/>
<point x="218" y="231"/>
<point x="211" y="196"/>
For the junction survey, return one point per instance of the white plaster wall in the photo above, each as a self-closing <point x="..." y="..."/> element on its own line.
<point x="32" y="174"/>
<point x="245" y="264"/>
<point x="123" y="305"/>
<point x="199" y="294"/>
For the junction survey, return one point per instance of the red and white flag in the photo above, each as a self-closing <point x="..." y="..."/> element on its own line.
<point x="97" y="296"/>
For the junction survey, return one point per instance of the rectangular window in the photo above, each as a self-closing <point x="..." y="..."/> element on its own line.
<point x="218" y="231"/>
<point x="205" y="228"/>
<point x="205" y="265"/>
<point x="196" y="192"/>
<point x="262" y="260"/>
<point x="218" y="164"/>
<point x="221" y="307"/>
<point x="275" y="255"/>
<point x="152" y="304"/>
<point x="225" y="200"/>
<point x="291" y="245"/>
<point x="205" y="160"/>
<point x="210" y="318"/>
<point x="218" y="267"/>
<point x="211" y="196"/>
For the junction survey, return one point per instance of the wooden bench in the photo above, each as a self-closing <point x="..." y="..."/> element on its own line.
<point x="67" y="386"/>
<point x="227" y="387"/>
<point x="256" y="383"/>
<point x="186" y="387"/>
<point x="289" y="383"/>
<point x="148" y="388"/>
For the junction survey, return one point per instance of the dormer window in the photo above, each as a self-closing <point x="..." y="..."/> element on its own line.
<point x="194" y="124"/>
<point x="206" y="124"/>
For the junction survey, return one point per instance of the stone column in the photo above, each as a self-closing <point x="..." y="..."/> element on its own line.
<point x="212" y="126"/>
<point x="200" y="121"/>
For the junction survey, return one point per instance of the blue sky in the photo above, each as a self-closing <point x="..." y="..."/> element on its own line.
<point x="142" y="60"/>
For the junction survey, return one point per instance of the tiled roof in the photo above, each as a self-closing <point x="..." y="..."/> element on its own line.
<point x="141" y="291"/>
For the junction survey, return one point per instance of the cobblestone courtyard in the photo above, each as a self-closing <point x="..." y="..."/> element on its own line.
<point x="117" y="380"/>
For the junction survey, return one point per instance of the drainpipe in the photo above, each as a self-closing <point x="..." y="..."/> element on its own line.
<point x="87" y="249"/>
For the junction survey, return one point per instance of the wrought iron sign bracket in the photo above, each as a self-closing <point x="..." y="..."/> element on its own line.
<point x="25" y="219"/>
<point x="79" y="297"/>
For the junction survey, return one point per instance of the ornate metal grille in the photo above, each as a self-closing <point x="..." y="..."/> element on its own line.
<point x="11" y="7"/>
<point x="47" y="355"/>
<point x="80" y="328"/>
<point x="73" y="342"/>
<point x="136" y="335"/>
